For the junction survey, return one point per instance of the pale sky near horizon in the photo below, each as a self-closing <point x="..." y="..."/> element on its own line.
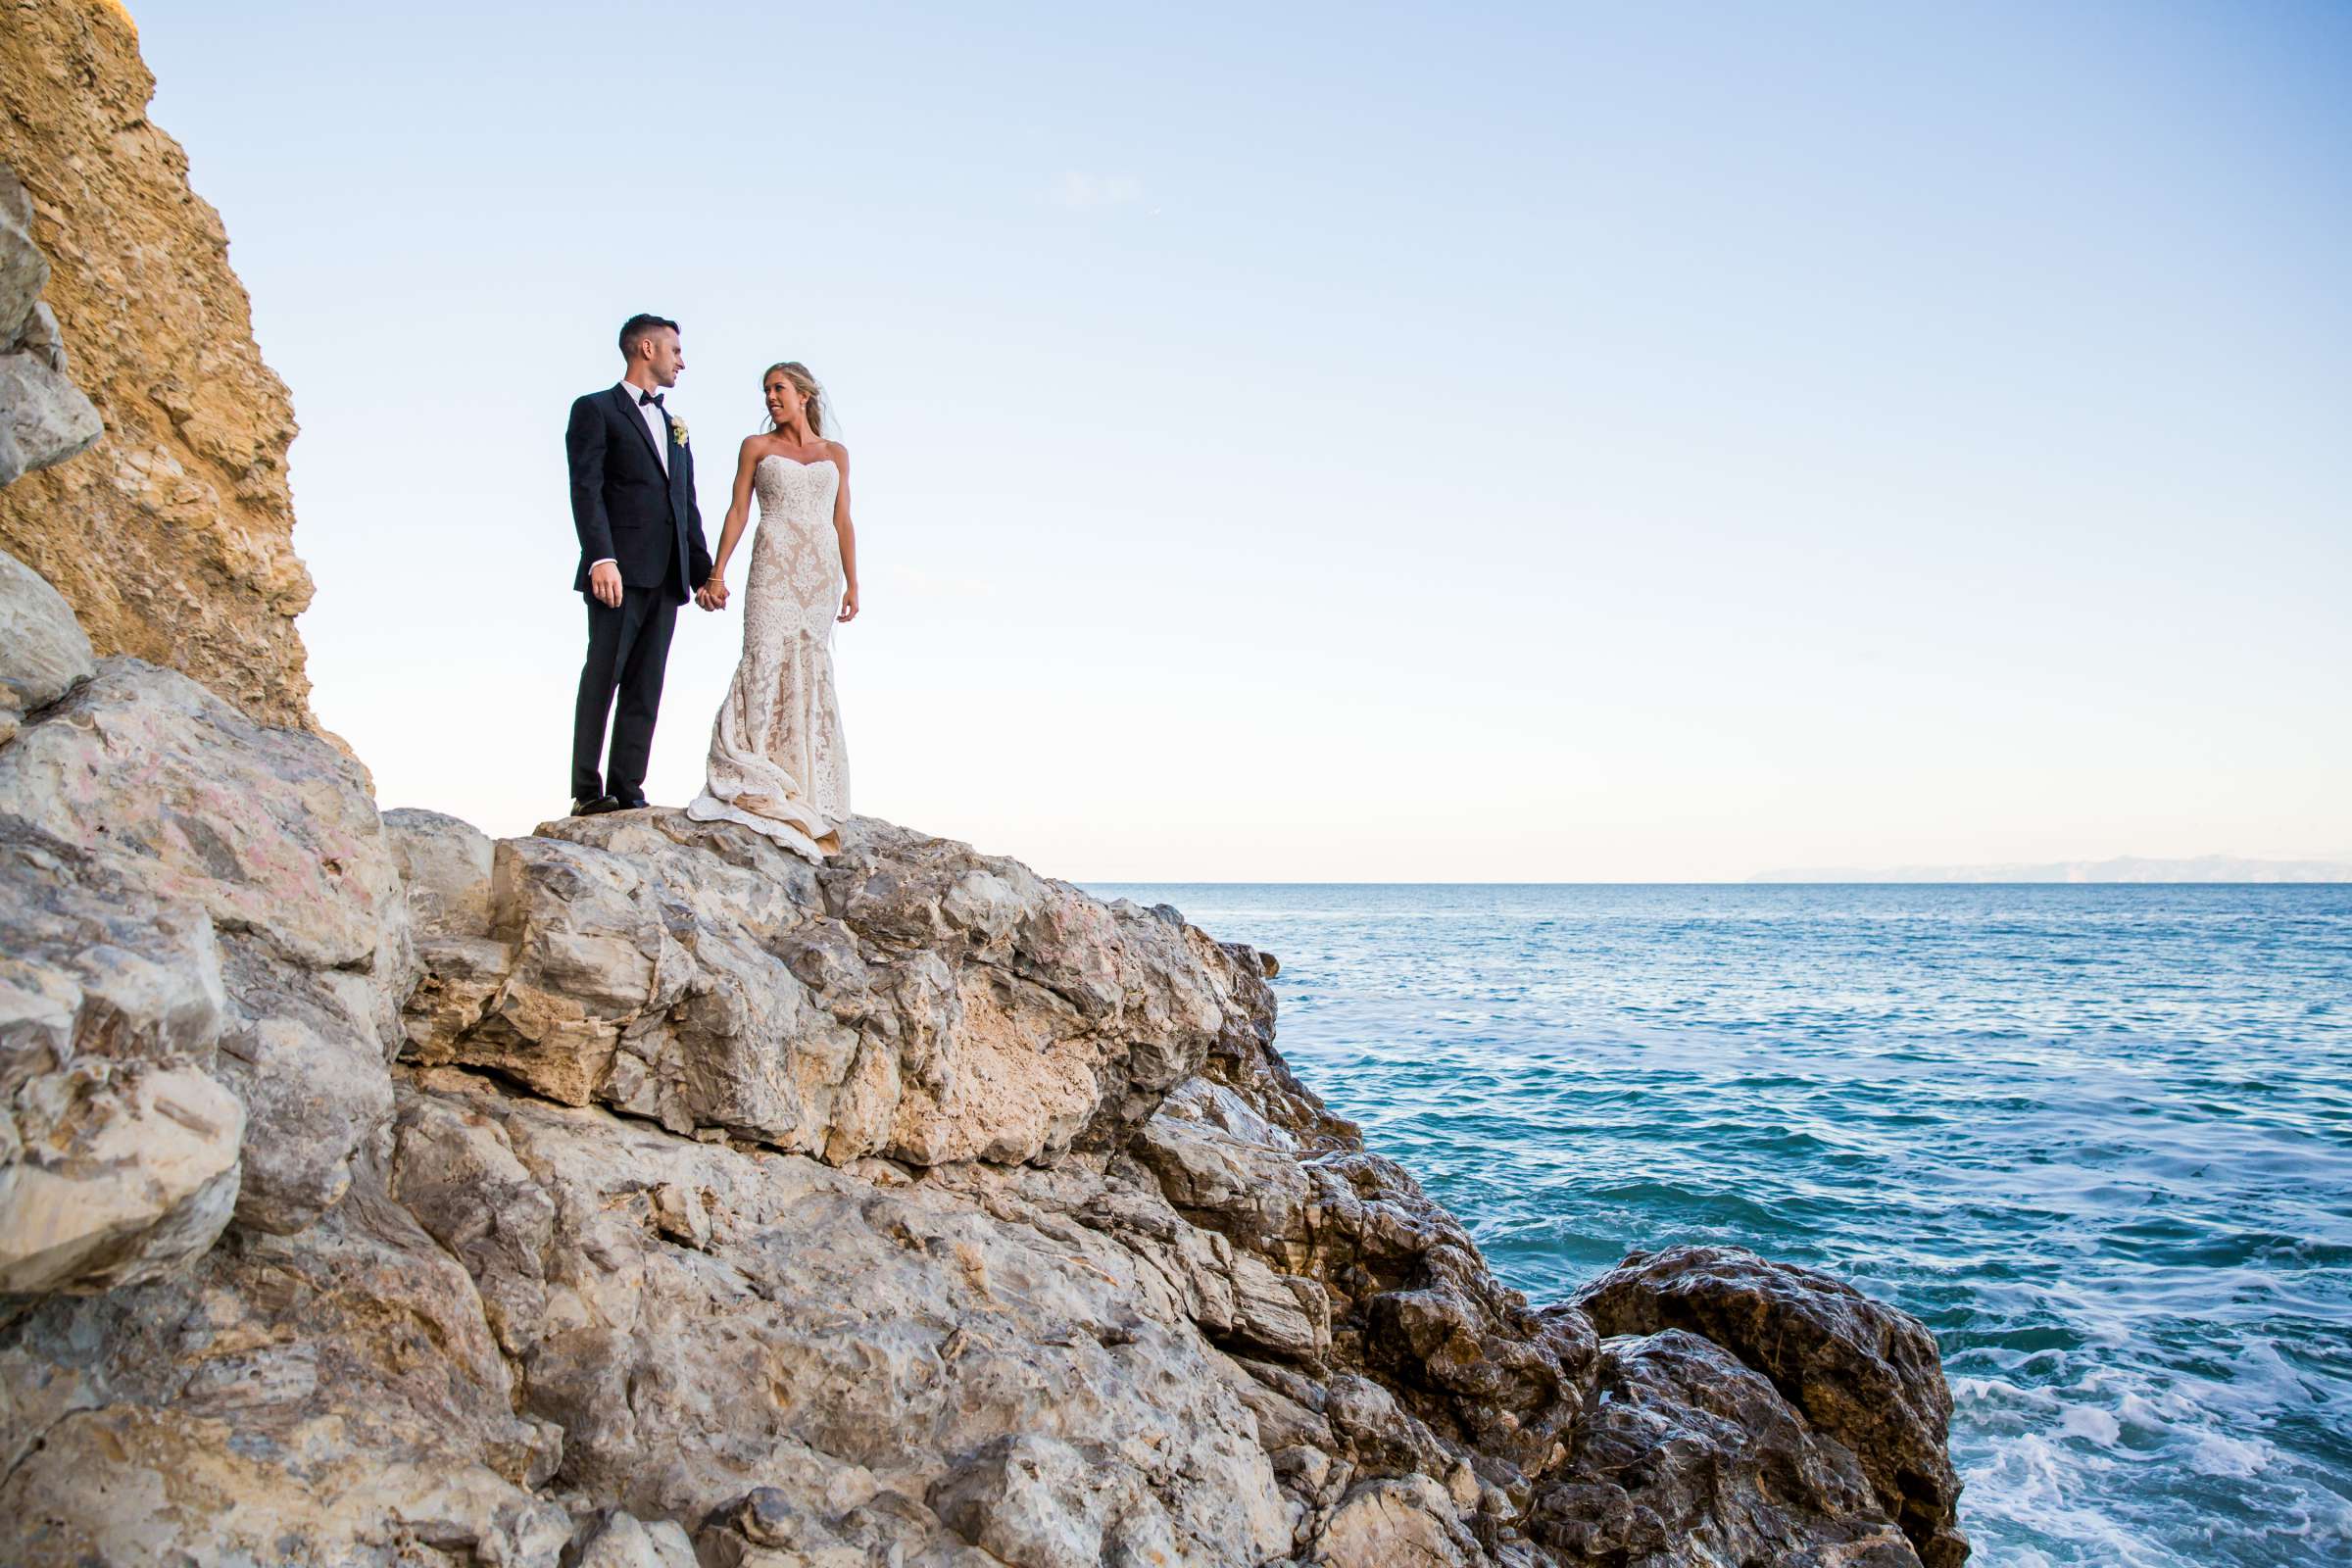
<point x="1578" y="442"/>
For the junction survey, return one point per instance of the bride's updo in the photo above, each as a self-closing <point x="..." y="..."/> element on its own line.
<point x="812" y="396"/>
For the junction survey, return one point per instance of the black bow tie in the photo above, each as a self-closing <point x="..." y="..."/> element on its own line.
<point x="643" y="398"/>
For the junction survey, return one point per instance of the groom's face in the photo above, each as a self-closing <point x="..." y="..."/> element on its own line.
<point x="668" y="358"/>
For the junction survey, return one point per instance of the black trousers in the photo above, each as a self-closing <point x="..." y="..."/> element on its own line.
<point x="628" y="649"/>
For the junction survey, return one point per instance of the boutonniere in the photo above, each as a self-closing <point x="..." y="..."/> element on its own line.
<point x="677" y="429"/>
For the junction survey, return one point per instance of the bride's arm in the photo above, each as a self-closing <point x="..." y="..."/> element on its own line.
<point x="739" y="512"/>
<point x="847" y="533"/>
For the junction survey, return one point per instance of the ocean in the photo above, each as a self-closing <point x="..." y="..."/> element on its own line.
<point x="2099" y="1137"/>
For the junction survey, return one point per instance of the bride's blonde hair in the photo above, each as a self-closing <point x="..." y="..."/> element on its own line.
<point x="812" y="395"/>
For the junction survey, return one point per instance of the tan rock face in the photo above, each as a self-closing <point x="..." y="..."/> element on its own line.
<point x="171" y="537"/>
<point x="915" y="1000"/>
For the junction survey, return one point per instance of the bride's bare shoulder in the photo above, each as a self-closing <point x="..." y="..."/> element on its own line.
<point x="838" y="453"/>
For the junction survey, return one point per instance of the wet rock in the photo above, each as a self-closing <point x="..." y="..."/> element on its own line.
<point x="1862" y="1372"/>
<point x="1690" y="1459"/>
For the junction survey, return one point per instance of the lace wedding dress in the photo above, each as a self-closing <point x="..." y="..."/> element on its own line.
<point x="778" y="761"/>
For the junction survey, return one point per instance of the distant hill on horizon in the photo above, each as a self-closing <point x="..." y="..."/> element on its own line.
<point x="2124" y="868"/>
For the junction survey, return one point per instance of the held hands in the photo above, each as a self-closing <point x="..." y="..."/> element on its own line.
<point x="712" y="594"/>
<point x="848" y="604"/>
<point x="603" y="582"/>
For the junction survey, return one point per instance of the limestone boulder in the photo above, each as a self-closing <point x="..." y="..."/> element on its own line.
<point x="1396" y="1523"/>
<point x="1249" y="1152"/>
<point x="120" y="1170"/>
<point x="445" y="862"/>
<point x="43" y="653"/>
<point x="44" y="418"/>
<point x="620" y="1540"/>
<point x="141" y="780"/>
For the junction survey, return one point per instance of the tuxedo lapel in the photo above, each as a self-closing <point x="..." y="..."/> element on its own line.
<point x="634" y="418"/>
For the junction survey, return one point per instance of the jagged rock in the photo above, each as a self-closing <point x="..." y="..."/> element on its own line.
<point x="24" y="270"/>
<point x="1411" y="1296"/>
<point x="860" y="1333"/>
<point x="1407" y="1523"/>
<point x="44" y="418"/>
<point x="331" y="1396"/>
<point x="916" y="1209"/>
<point x="120" y="1171"/>
<point x="920" y="1000"/>
<point x="42" y="650"/>
<point x="1690" y="1459"/>
<point x="1031" y="1500"/>
<point x="172" y="536"/>
<point x="1862" y="1372"/>
<point x="446" y="863"/>
<point x="619" y="1540"/>
<point x="119" y="1152"/>
<point x="140" y="779"/>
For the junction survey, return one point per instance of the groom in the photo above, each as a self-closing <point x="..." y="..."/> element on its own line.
<point x="642" y="555"/>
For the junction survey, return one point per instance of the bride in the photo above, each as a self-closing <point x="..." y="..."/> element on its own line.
<point x="778" y="763"/>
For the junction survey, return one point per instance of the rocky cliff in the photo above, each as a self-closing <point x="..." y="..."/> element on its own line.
<point x="632" y="1195"/>
<point x="632" y="1192"/>
<point x="188" y="487"/>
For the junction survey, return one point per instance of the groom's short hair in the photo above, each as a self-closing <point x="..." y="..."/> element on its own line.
<point x="637" y="326"/>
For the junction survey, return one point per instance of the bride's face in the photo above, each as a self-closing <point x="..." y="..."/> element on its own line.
<point x="784" y="400"/>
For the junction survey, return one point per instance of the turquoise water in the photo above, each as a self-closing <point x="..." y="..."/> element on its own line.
<point x="2099" y="1137"/>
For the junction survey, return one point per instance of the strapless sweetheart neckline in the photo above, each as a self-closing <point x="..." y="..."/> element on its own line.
<point x="778" y="456"/>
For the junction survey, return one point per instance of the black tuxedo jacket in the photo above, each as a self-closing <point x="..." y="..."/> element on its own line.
<point x="625" y="507"/>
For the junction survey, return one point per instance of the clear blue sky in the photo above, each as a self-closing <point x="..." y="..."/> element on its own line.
<point x="1559" y="442"/>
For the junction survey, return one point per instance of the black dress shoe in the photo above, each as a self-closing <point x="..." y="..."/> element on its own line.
<point x="628" y="803"/>
<point x="595" y="808"/>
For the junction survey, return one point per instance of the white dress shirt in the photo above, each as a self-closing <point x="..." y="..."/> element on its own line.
<point x="655" y="427"/>
<point x="653" y="422"/>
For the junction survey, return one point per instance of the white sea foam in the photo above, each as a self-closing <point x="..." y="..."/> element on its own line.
<point x="2088" y="1421"/>
<point x="2216" y="1454"/>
